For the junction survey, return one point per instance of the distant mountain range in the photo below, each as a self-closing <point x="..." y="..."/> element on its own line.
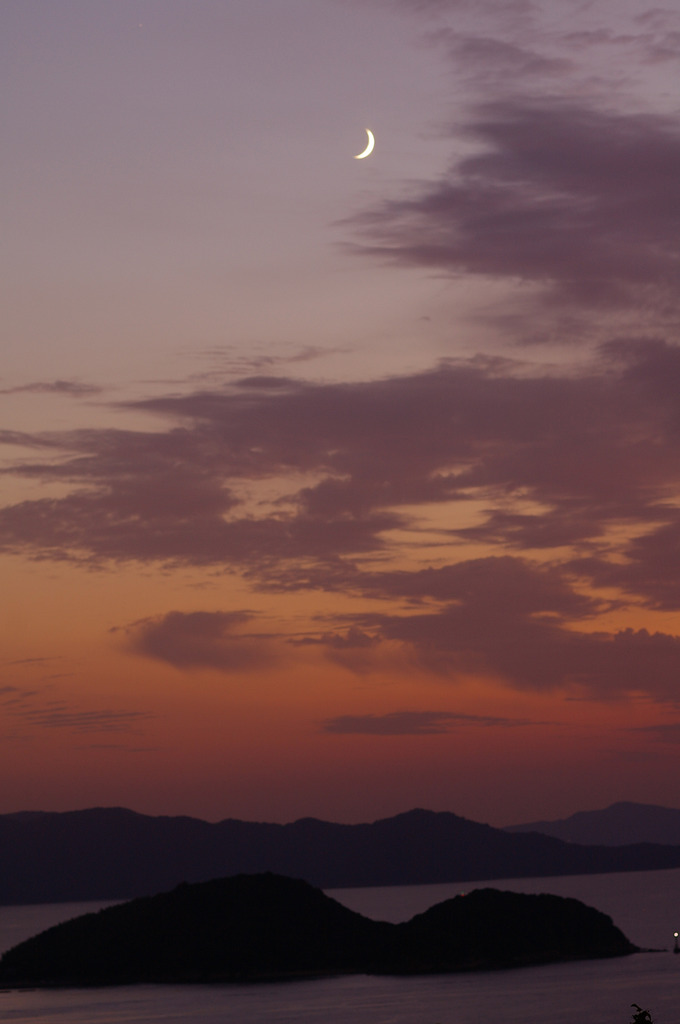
<point x="617" y="825"/>
<point x="113" y="853"/>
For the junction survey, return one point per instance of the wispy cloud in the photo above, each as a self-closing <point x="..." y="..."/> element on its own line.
<point x="40" y="708"/>
<point x="228" y="361"/>
<point x="69" y="388"/>
<point x="414" y="723"/>
<point x="667" y="732"/>
<point x="489" y="58"/>
<point x="596" y="48"/>
<point x="101" y="720"/>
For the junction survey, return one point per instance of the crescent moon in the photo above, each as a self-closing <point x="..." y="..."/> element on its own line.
<point x="369" y="147"/>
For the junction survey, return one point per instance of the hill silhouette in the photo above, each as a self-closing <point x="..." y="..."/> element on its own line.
<point x="113" y="853"/>
<point x="267" y="927"/>
<point x="620" y="824"/>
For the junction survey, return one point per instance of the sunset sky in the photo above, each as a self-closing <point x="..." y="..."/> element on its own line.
<point x="337" y="487"/>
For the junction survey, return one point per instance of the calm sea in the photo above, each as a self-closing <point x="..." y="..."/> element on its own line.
<point x="645" y="905"/>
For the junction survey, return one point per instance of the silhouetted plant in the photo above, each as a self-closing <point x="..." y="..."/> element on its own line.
<point x="641" y="1016"/>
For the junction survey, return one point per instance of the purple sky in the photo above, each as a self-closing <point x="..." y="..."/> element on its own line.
<point x="329" y="486"/>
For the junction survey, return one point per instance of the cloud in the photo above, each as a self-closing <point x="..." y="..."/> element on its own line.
<point x="577" y="203"/>
<point x="28" y="661"/>
<point x="101" y="720"/>
<point x="535" y="652"/>
<point x="499" y="46"/>
<point x="354" y="649"/>
<point x="550" y="459"/>
<point x="36" y="707"/>
<point x="440" y="436"/>
<point x="513" y="8"/>
<point x="231" y="361"/>
<point x="647" y="566"/>
<point x="667" y="732"/>
<point x="498" y="58"/>
<point x="413" y="723"/>
<point x="189" y="640"/>
<point x="162" y="496"/>
<point x="523" y="624"/>
<point x="70" y="388"/>
<point x="567" y="479"/>
<point x="494" y="584"/>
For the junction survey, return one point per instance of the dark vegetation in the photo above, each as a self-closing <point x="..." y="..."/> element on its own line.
<point x="112" y="853"/>
<point x="266" y="927"/>
<point x="641" y="1016"/>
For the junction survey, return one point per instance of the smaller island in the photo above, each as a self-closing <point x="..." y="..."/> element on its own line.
<point x="267" y="927"/>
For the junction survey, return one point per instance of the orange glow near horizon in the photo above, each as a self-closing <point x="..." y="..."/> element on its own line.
<point x="337" y="488"/>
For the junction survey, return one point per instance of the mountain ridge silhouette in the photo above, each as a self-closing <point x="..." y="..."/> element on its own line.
<point x="116" y="853"/>
<point x="619" y="824"/>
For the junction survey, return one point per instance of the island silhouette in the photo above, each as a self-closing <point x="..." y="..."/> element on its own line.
<point x="266" y="927"/>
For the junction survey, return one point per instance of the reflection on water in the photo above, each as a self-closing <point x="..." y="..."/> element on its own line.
<point x="590" y="993"/>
